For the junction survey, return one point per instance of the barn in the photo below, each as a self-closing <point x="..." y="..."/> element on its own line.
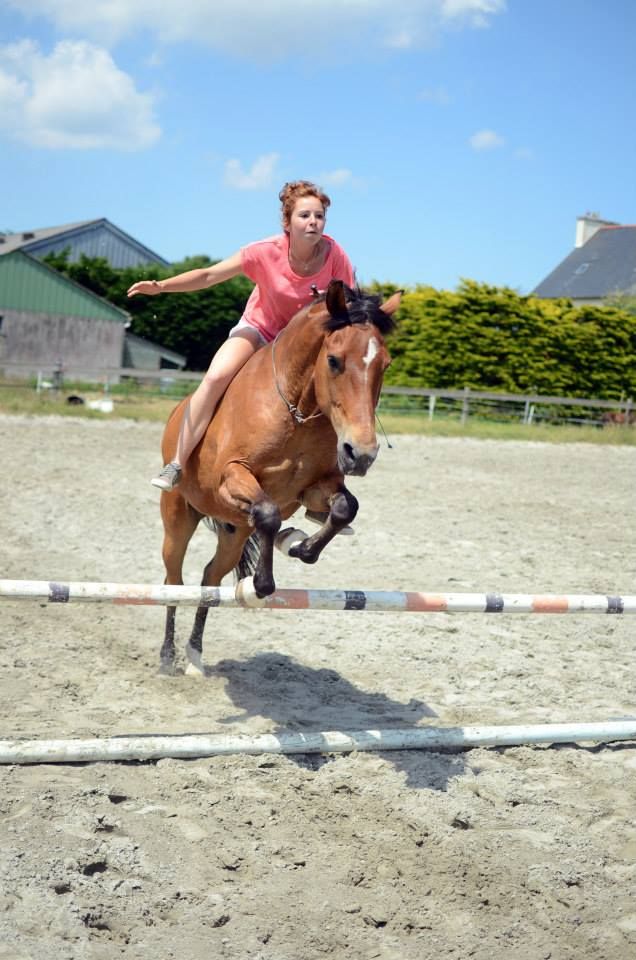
<point x="47" y="320"/>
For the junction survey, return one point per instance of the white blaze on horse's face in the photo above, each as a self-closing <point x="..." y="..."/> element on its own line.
<point x="372" y="352"/>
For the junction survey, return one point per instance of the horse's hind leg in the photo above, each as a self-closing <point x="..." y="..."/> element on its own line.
<point x="228" y="553"/>
<point x="179" y="523"/>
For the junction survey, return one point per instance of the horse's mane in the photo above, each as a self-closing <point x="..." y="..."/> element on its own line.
<point x="361" y="307"/>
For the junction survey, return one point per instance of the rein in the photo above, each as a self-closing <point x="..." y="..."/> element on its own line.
<point x="293" y="409"/>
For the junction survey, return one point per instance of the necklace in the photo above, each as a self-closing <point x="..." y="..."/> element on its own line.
<point x="305" y="267"/>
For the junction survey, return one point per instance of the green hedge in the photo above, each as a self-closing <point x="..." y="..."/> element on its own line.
<point x="492" y="338"/>
<point x="480" y="336"/>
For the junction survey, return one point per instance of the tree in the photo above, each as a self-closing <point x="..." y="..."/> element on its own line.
<point x="494" y="339"/>
<point x="194" y="324"/>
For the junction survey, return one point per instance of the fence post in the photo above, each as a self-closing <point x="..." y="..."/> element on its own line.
<point x="526" y="412"/>
<point x="58" y="375"/>
<point x="431" y="406"/>
<point x="464" y="416"/>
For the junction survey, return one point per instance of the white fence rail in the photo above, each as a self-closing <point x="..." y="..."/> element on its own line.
<point x="530" y="404"/>
<point x="527" y="407"/>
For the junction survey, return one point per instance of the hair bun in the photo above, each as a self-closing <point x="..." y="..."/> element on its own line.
<point x="294" y="190"/>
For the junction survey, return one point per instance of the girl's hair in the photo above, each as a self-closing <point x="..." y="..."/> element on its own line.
<point x="295" y="190"/>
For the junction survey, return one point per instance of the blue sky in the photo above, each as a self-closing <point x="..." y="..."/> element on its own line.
<point x="457" y="138"/>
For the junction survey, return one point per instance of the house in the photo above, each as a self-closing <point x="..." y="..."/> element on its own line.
<point x="144" y="355"/>
<point x="93" y="238"/>
<point x="48" y="320"/>
<point x="602" y="264"/>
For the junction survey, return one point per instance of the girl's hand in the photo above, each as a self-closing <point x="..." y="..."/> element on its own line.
<point x="149" y="288"/>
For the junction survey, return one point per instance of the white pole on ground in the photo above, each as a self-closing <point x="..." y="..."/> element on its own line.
<point x="416" y="738"/>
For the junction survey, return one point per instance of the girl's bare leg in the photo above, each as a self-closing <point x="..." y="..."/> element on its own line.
<point x="226" y="363"/>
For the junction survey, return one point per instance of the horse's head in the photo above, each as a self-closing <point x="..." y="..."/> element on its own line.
<point x="350" y="368"/>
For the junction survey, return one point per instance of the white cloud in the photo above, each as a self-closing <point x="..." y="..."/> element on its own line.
<point x="267" y="29"/>
<point x="474" y="12"/>
<point x="437" y="95"/>
<point x="259" y="177"/>
<point x="336" y="178"/>
<point x="486" y="140"/>
<point x="75" y="98"/>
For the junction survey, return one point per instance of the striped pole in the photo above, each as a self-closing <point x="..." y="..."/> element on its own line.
<point x="372" y="601"/>
<point x="155" y="747"/>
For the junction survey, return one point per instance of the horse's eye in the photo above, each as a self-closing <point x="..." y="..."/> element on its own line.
<point x="335" y="365"/>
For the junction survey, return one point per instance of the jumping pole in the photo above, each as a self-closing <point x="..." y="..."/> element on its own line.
<point x="371" y="601"/>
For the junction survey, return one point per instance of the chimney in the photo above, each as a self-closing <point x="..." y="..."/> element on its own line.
<point x="587" y="225"/>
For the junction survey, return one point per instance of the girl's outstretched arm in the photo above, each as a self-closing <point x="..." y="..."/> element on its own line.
<point x="191" y="280"/>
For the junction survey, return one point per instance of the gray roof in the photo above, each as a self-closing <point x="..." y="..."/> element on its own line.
<point x="42" y="240"/>
<point x="603" y="266"/>
<point x="15" y="241"/>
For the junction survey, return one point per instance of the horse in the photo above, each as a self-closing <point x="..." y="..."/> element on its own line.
<point x="613" y="418"/>
<point x="297" y="418"/>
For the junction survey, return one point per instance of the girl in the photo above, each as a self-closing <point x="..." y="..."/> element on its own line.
<point x="286" y="269"/>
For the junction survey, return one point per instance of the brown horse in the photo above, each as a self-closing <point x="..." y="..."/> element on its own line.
<point x="295" y="419"/>
<point x="613" y="418"/>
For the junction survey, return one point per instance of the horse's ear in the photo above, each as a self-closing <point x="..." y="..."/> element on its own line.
<point x="336" y="301"/>
<point x="390" y="306"/>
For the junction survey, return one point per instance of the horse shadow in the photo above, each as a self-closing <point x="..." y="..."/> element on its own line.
<point x="298" y="698"/>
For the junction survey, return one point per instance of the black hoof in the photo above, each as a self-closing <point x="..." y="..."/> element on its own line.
<point x="263" y="590"/>
<point x="301" y="553"/>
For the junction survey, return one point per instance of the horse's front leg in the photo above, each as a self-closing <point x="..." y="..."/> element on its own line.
<point x="241" y="490"/>
<point x="267" y="520"/>
<point x="343" y="507"/>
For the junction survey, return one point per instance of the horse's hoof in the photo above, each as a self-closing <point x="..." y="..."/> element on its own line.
<point x="167" y="669"/>
<point x="287" y="538"/>
<point x="300" y="552"/>
<point x="193" y="670"/>
<point x="194" y="666"/>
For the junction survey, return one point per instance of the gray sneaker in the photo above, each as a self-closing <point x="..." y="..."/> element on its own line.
<point x="168" y="478"/>
<point x="320" y="518"/>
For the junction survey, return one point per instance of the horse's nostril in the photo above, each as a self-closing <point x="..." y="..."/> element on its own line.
<point x="348" y="449"/>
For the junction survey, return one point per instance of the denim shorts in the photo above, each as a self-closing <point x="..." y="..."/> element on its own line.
<point x="244" y="325"/>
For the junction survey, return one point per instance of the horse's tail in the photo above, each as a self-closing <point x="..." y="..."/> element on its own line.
<point x="246" y="567"/>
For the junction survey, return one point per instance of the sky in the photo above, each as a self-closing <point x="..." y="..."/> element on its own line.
<point x="456" y="138"/>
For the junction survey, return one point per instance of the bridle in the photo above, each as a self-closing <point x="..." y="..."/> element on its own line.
<point x="293" y="409"/>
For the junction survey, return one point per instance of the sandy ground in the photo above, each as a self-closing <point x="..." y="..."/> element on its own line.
<point x="525" y="853"/>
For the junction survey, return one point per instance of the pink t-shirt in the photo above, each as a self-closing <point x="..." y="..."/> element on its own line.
<point x="279" y="292"/>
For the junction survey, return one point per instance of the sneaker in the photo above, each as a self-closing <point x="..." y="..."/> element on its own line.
<point x="320" y="518"/>
<point x="168" y="478"/>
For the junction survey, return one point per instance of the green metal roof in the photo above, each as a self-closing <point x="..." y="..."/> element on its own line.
<point x="29" y="285"/>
